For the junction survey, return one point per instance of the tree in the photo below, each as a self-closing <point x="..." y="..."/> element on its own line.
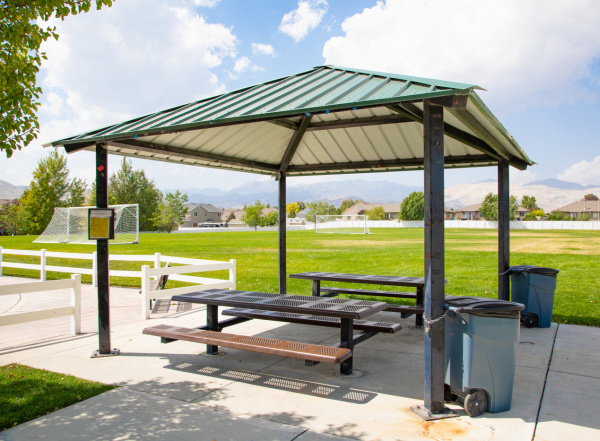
<point x="10" y="219"/>
<point x="50" y="188"/>
<point x="20" y="60"/>
<point x="346" y="203"/>
<point x="413" y="206"/>
<point x="489" y="207"/>
<point x="557" y="215"/>
<point x="171" y="211"/>
<point x="376" y="213"/>
<point x="292" y="207"/>
<point x="253" y="216"/>
<point x="534" y="215"/>
<point x="590" y="197"/>
<point x="129" y="186"/>
<point x="318" y="208"/>
<point x="271" y="219"/>
<point x="529" y="202"/>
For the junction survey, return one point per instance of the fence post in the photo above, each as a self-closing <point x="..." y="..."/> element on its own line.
<point x="0" y="261"/>
<point x="145" y="288"/>
<point x="156" y="262"/>
<point x="95" y="269"/>
<point x="43" y="265"/>
<point x="232" y="273"/>
<point x="76" y="300"/>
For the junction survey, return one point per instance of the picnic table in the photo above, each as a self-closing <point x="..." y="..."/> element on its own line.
<point x="347" y="314"/>
<point x="415" y="282"/>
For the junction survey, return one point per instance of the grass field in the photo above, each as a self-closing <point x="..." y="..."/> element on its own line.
<point x="471" y="259"/>
<point x="27" y="393"/>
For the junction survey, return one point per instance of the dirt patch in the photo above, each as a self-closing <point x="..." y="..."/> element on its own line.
<point x="366" y="243"/>
<point x="544" y="245"/>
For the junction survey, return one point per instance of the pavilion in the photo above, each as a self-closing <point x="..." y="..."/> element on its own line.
<point x="329" y="120"/>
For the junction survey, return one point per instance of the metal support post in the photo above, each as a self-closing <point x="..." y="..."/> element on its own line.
<point x="433" y="126"/>
<point x="282" y="234"/>
<point x="347" y="341"/>
<point x="212" y="323"/>
<point x="503" y="230"/>
<point x="102" y="278"/>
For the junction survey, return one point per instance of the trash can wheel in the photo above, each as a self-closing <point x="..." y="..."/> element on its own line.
<point x="475" y="403"/>
<point x="530" y="320"/>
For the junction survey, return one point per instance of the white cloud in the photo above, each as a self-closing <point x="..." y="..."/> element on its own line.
<point x="518" y="51"/>
<point x="584" y="172"/>
<point x="242" y="64"/>
<point x="117" y="63"/>
<point x="263" y="49"/>
<point x="206" y="3"/>
<point x="307" y="16"/>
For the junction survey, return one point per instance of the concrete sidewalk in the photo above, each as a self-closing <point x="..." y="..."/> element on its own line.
<point x="175" y="391"/>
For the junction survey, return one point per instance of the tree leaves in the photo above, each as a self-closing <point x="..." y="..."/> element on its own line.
<point x="20" y="59"/>
<point x="413" y="206"/>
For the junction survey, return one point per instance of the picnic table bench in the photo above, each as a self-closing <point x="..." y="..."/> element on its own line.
<point x="404" y="310"/>
<point x="342" y="313"/>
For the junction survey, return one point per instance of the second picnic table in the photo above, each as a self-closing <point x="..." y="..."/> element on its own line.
<point x="416" y="282"/>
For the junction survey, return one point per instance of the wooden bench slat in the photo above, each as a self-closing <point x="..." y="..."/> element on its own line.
<point x="304" y="351"/>
<point x="405" y="310"/>
<point x="370" y="292"/>
<point x="334" y="322"/>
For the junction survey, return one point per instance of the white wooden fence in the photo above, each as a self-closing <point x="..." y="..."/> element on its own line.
<point x="74" y="283"/>
<point x="175" y="272"/>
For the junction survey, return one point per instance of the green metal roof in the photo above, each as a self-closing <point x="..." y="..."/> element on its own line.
<point x="325" y="120"/>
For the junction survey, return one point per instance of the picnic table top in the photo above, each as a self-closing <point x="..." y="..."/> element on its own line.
<point x="418" y="282"/>
<point x="295" y="304"/>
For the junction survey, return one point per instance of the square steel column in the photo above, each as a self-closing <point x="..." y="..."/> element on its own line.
<point x="102" y="278"/>
<point x="433" y="126"/>
<point x="503" y="230"/>
<point x="282" y="234"/>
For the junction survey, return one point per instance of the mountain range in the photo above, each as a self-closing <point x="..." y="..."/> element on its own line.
<point x="550" y="194"/>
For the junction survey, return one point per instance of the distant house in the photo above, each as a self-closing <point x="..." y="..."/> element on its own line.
<point x="577" y="208"/>
<point x="7" y="202"/>
<point x="201" y="214"/>
<point x="233" y="217"/>
<point x="470" y="212"/>
<point x="392" y="211"/>
<point x="521" y="213"/>
<point x="449" y="214"/>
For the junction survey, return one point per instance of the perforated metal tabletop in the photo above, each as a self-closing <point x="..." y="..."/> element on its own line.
<point x="331" y="307"/>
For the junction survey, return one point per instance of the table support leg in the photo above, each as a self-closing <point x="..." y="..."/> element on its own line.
<point x="347" y="341"/>
<point x="316" y="288"/>
<point x="419" y="317"/>
<point x="212" y="322"/>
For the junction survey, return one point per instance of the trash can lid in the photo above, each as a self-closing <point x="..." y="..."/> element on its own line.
<point x="484" y="306"/>
<point x="551" y="272"/>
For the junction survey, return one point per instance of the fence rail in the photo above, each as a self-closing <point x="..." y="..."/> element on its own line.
<point x="177" y="273"/>
<point x="74" y="311"/>
<point x="514" y="225"/>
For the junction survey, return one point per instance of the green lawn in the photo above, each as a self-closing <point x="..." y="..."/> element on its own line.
<point x="27" y="393"/>
<point x="471" y="259"/>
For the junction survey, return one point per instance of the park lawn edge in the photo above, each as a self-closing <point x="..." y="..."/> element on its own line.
<point x="27" y="393"/>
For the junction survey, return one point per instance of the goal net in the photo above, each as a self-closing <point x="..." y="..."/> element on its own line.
<point x="70" y="225"/>
<point x="349" y="224"/>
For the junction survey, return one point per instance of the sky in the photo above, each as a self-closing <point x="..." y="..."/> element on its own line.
<point x="538" y="61"/>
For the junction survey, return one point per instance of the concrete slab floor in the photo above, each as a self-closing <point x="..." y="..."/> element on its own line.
<point x="241" y="390"/>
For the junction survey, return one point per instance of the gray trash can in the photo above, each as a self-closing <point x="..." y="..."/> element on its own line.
<point x="534" y="287"/>
<point x="481" y="345"/>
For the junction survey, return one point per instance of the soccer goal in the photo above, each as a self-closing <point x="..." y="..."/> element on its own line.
<point x="348" y="224"/>
<point x="70" y="225"/>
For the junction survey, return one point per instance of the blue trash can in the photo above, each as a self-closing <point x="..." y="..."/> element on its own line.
<point x="481" y="337"/>
<point x="534" y="287"/>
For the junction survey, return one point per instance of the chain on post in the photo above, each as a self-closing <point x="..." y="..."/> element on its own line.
<point x="428" y="322"/>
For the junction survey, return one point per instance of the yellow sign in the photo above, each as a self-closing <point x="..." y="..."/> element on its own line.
<point x="100" y="227"/>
